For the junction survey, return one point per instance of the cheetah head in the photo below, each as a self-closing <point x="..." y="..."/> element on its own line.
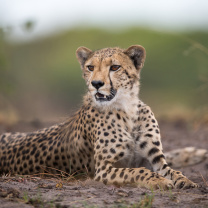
<point x="111" y="74"/>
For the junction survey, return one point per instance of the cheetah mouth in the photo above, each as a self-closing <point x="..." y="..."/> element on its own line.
<point x="102" y="98"/>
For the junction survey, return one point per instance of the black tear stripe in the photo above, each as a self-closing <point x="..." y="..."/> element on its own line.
<point x="111" y="83"/>
<point x="112" y="90"/>
<point x="157" y="159"/>
<point x="153" y="151"/>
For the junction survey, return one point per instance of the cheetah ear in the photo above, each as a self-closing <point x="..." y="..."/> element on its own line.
<point x="82" y="54"/>
<point x="137" y="54"/>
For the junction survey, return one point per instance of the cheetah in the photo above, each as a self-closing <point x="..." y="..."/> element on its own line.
<point x="114" y="136"/>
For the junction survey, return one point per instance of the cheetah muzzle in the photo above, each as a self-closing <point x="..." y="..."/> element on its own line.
<point x="105" y="98"/>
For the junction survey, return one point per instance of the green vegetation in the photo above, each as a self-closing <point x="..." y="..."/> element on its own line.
<point x="25" y="197"/>
<point x="39" y="202"/>
<point x="175" y="72"/>
<point x="144" y="202"/>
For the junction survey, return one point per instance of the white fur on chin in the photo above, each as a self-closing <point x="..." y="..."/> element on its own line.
<point x="124" y="100"/>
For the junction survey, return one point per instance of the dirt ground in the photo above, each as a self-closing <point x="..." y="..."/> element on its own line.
<point x="34" y="191"/>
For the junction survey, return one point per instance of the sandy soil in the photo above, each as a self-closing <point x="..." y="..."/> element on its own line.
<point x="32" y="191"/>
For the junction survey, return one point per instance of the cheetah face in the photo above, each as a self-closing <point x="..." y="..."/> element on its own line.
<point x="111" y="73"/>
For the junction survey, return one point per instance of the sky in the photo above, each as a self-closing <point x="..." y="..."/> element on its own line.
<point x="52" y="16"/>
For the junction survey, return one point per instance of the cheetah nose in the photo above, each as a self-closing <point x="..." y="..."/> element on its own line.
<point x="97" y="84"/>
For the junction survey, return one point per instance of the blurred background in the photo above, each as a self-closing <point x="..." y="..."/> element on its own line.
<point x="40" y="78"/>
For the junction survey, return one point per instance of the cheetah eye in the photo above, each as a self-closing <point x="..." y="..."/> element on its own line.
<point x="114" y="67"/>
<point x="90" y="68"/>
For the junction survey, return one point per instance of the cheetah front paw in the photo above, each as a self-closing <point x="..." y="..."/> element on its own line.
<point x="184" y="183"/>
<point x="160" y="183"/>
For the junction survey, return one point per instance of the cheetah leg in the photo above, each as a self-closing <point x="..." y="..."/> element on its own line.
<point x="140" y="177"/>
<point x="185" y="157"/>
<point x="150" y="147"/>
<point x="110" y="162"/>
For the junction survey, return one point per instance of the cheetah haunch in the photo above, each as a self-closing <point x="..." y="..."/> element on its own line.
<point x="114" y="136"/>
